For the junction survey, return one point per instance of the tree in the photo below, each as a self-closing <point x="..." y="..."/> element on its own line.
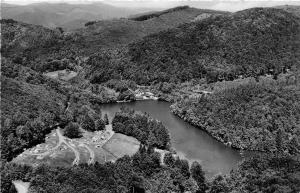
<point x="13" y="189"/>
<point x="198" y="175"/>
<point x="88" y="123"/>
<point x="178" y="178"/>
<point x="19" y="119"/>
<point x="37" y="127"/>
<point x="279" y="141"/>
<point x="72" y="130"/>
<point x="60" y="29"/>
<point x="137" y="184"/>
<point x="24" y="132"/>
<point x="66" y="117"/>
<point x="219" y="185"/>
<point x="151" y="141"/>
<point x="183" y="165"/>
<point x="169" y="160"/>
<point x="162" y="136"/>
<point x="126" y="96"/>
<point x="119" y="127"/>
<point x="106" y="121"/>
<point x="190" y="186"/>
<point x="294" y="146"/>
<point x="99" y="125"/>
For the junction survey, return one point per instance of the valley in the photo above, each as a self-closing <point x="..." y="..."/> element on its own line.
<point x="180" y="100"/>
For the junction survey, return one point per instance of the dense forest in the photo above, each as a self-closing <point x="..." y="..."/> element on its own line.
<point x="31" y="105"/>
<point x="178" y="49"/>
<point x="250" y="116"/>
<point x="138" y="173"/>
<point x="248" y="43"/>
<point x="224" y="46"/>
<point x="148" y="131"/>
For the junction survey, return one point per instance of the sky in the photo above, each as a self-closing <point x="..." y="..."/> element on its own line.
<point x="227" y="5"/>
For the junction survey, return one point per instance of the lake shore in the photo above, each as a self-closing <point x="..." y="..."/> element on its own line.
<point x="214" y="155"/>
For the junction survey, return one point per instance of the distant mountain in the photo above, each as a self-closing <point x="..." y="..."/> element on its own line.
<point x="108" y="33"/>
<point x="170" y="12"/>
<point x="69" y="16"/>
<point x="96" y="35"/>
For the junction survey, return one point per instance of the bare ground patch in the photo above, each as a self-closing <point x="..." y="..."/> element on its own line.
<point x="120" y="145"/>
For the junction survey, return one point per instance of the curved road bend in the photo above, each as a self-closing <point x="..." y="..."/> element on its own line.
<point x="92" y="153"/>
<point x="48" y="151"/>
<point x="61" y="140"/>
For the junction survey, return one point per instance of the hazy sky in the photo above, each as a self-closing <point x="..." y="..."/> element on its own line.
<point x="232" y="5"/>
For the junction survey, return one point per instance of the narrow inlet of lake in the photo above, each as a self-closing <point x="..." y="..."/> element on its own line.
<point x="189" y="142"/>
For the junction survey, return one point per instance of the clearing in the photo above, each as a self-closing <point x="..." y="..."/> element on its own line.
<point x="62" y="74"/>
<point x="99" y="146"/>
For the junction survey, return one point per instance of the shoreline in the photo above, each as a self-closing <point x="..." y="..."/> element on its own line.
<point x="228" y="144"/>
<point x="179" y="115"/>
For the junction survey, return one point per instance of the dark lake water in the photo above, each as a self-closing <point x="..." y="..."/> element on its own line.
<point x="188" y="141"/>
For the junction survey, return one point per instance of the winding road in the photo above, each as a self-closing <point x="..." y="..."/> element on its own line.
<point x="61" y="140"/>
<point x="92" y="153"/>
<point x="64" y="140"/>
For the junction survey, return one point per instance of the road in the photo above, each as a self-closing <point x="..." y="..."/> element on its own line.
<point x="50" y="150"/>
<point x="61" y="140"/>
<point x="92" y="153"/>
<point x="64" y="140"/>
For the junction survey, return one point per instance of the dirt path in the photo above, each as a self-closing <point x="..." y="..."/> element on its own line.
<point x="111" y="133"/>
<point x="64" y="140"/>
<point x="92" y="153"/>
<point x="162" y="154"/>
<point x="48" y="151"/>
<point x="61" y="140"/>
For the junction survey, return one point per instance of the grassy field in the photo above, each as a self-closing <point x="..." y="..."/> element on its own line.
<point x="62" y="74"/>
<point x="120" y="145"/>
<point x="101" y="146"/>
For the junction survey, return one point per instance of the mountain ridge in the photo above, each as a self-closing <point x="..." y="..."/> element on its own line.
<point x="63" y="14"/>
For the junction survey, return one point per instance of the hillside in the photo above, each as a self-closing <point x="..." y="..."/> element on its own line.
<point x="63" y="14"/>
<point x="171" y="12"/>
<point x="28" y="99"/>
<point x="234" y="75"/>
<point x="37" y="45"/>
<point x="27" y="113"/>
<point x="290" y="8"/>
<point x="248" y="43"/>
<point x="108" y="33"/>
<point x="18" y="37"/>
<point x="250" y="116"/>
<point x="28" y="92"/>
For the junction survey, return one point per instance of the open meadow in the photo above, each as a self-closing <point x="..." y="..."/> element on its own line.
<point x="100" y="146"/>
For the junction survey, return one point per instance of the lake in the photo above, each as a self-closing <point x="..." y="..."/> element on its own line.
<point x="189" y="142"/>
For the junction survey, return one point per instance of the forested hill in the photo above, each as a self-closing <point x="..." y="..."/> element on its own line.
<point x="68" y="16"/>
<point x="290" y="8"/>
<point x="187" y="13"/>
<point x="108" y="33"/>
<point x="37" y="43"/>
<point x="250" y="43"/>
<point x="18" y="37"/>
